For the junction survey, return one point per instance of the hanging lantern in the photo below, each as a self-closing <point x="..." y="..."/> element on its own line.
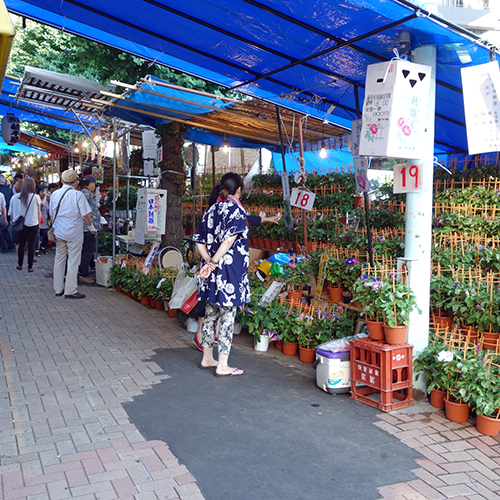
<point x="10" y="129"/>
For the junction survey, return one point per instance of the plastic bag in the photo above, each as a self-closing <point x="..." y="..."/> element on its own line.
<point x="184" y="287"/>
<point x="340" y="345"/>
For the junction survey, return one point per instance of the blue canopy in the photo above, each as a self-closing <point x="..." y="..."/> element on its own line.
<point x="307" y="56"/>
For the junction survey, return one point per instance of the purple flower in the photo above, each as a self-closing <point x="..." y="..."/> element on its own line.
<point x="480" y="307"/>
<point x="287" y="314"/>
<point x="341" y="308"/>
<point x="376" y="285"/>
<point x="457" y="284"/>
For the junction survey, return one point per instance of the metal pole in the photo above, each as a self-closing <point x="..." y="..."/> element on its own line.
<point x="115" y="191"/>
<point x="365" y="194"/>
<point x="282" y="149"/>
<point x="418" y="229"/>
<point x="213" y="166"/>
<point x="193" y="186"/>
<point x="302" y="181"/>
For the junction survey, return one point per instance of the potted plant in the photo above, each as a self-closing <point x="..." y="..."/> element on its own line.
<point x="479" y="386"/>
<point x="442" y="295"/>
<point x="367" y="293"/>
<point x="397" y="301"/>
<point x="350" y="272"/>
<point x="430" y="362"/>
<point x="334" y="278"/>
<point x="297" y="277"/>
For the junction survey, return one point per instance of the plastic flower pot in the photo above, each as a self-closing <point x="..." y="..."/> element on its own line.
<point x="263" y="344"/>
<point x="144" y="301"/>
<point x="395" y="335"/>
<point x="444" y="322"/>
<point x="306" y="354"/>
<point x="335" y="293"/>
<point x="295" y="297"/>
<point x="487" y="425"/>
<point x="437" y="398"/>
<point x="375" y="329"/>
<point x="290" y="348"/>
<point x="456" y="412"/>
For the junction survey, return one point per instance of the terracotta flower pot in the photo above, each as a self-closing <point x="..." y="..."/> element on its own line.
<point x="487" y="425"/>
<point x="260" y="243"/>
<point x="375" y="329"/>
<point x="275" y="244"/>
<point x="359" y="202"/>
<point x="294" y="296"/>
<point x="152" y="302"/>
<point x="306" y="354"/>
<point x="144" y="301"/>
<point x="489" y="340"/>
<point x="267" y="244"/>
<point x="444" y="322"/>
<point x="396" y="335"/>
<point x="335" y="293"/>
<point x="437" y="398"/>
<point x="159" y="306"/>
<point x="456" y="412"/>
<point x="172" y="313"/>
<point x="290" y="348"/>
<point x="279" y="345"/>
<point x="134" y="296"/>
<point x="470" y="331"/>
<point x="118" y="287"/>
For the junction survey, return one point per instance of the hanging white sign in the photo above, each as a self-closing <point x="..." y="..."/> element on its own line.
<point x="302" y="199"/>
<point x="356" y="126"/>
<point x="361" y="174"/>
<point x="149" y="145"/>
<point x="395" y="109"/>
<point x="481" y="88"/>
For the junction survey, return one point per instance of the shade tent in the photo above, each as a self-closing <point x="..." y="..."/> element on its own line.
<point x="313" y="162"/>
<point x="39" y="112"/>
<point x="307" y="56"/>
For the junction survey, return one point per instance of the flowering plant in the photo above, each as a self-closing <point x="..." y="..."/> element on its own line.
<point x="443" y="292"/>
<point x="350" y="272"/>
<point x="367" y="293"/>
<point x="297" y="272"/>
<point x="431" y="362"/>
<point x="333" y="271"/>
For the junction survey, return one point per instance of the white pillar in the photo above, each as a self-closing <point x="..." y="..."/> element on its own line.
<point x="418" y="231"/>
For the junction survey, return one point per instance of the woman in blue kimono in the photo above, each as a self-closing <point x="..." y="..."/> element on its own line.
<point x="222" y="240"/>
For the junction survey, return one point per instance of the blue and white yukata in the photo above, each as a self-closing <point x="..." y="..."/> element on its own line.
<point x="227" y="286"/>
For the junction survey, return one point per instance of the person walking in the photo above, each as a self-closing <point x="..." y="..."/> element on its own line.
<point x="88" y="185"/>
<point x="27" y="204"/>
<point x="222" y="240"/>
<point x="67" y="208"/>
<point x="44" y="226"/>
<point x="6" y="241"/>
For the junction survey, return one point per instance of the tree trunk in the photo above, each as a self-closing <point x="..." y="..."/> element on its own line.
<point x="173" y="179"/>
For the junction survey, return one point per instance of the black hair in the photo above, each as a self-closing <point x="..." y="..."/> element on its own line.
<point x="84" y="183"/>
<point x="53" y="185"/>
<point x="229" y="184"/>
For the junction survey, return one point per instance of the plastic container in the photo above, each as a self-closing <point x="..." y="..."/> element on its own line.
<point x="103" y="267"/>
<point x="333" y="371"/>
<point x="192" y="325"/>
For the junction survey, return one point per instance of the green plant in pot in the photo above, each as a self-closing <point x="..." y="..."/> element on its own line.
<point x="397" y="301"/>
<point x="297" y="273"/>
<point x="442" y="295"/>
<point x="479" y="385"/>
<point x="334" y="271"/>
<point x="431" y="363"/>
<point x="367" y="293"/>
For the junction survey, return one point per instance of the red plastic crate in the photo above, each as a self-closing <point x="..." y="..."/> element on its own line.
<point x="385" y="371"/>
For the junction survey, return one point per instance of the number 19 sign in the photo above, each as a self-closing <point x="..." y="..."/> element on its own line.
<point x="302" y="199"/>
<point x="408" y="177"/>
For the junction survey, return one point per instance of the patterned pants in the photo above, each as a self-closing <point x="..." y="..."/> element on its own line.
<point x="227" y="315"/>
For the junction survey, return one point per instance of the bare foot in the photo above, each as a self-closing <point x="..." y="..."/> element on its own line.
<point x="228" y="372"/>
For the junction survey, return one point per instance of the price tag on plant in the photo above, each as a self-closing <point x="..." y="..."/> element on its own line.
<point x="302" y="199"/>
<point x="409" y="177"/>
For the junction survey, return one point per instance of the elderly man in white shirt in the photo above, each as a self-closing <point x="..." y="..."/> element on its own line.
<point x="67" y="208"/>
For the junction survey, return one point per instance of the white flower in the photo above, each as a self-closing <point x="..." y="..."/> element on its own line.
<point x="445" y="356"/>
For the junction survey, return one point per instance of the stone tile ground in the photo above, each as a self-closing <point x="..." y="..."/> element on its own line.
<point x="68" y="365"/>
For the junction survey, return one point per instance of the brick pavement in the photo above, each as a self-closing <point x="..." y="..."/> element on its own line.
<point x="67" y="365"/>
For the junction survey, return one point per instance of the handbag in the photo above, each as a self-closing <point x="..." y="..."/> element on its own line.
<point x="18" y="224"/>
<point x="50" y="233"/>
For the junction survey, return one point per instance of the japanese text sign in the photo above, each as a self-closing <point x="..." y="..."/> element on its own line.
<point x="361" y="174"/>
<point x="395" y="109"/>
<point x="481" y="89"/>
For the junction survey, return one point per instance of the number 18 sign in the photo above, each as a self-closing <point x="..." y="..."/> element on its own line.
<point x="408" y="177"/>
<point x="302" y="199"/>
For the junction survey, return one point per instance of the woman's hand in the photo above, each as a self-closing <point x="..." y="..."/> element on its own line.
<point x="274" y="220"/>
<point x="206" y="270"/>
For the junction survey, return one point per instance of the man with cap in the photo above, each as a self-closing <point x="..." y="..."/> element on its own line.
<point x="6" y="243"/>
<point x="88" y="190"/>
<point x="67" y="208"/>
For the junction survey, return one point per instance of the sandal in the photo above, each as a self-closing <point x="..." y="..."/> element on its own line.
<point x="231" y="374"/>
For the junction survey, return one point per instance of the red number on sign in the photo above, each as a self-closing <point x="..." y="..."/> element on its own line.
<point x="403" y="175"/>
<point x="414" y="173"/>
<point x="304" y="200"/>
<point x="298" y="196"/>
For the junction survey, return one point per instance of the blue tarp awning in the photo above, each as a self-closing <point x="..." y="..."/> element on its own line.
<point x="307" y="56"/>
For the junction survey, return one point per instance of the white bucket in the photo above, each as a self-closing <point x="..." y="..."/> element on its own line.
<point x="192" y="325"/>
<point x="237" y="328"/>
<point x="103" y="267"/>
<point x="263" y="345"/>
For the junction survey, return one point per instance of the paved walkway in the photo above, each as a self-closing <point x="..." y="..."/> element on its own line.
<point x="67" y="365"/>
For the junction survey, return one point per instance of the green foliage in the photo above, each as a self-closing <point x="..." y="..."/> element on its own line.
<point x="397" y="301"/>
